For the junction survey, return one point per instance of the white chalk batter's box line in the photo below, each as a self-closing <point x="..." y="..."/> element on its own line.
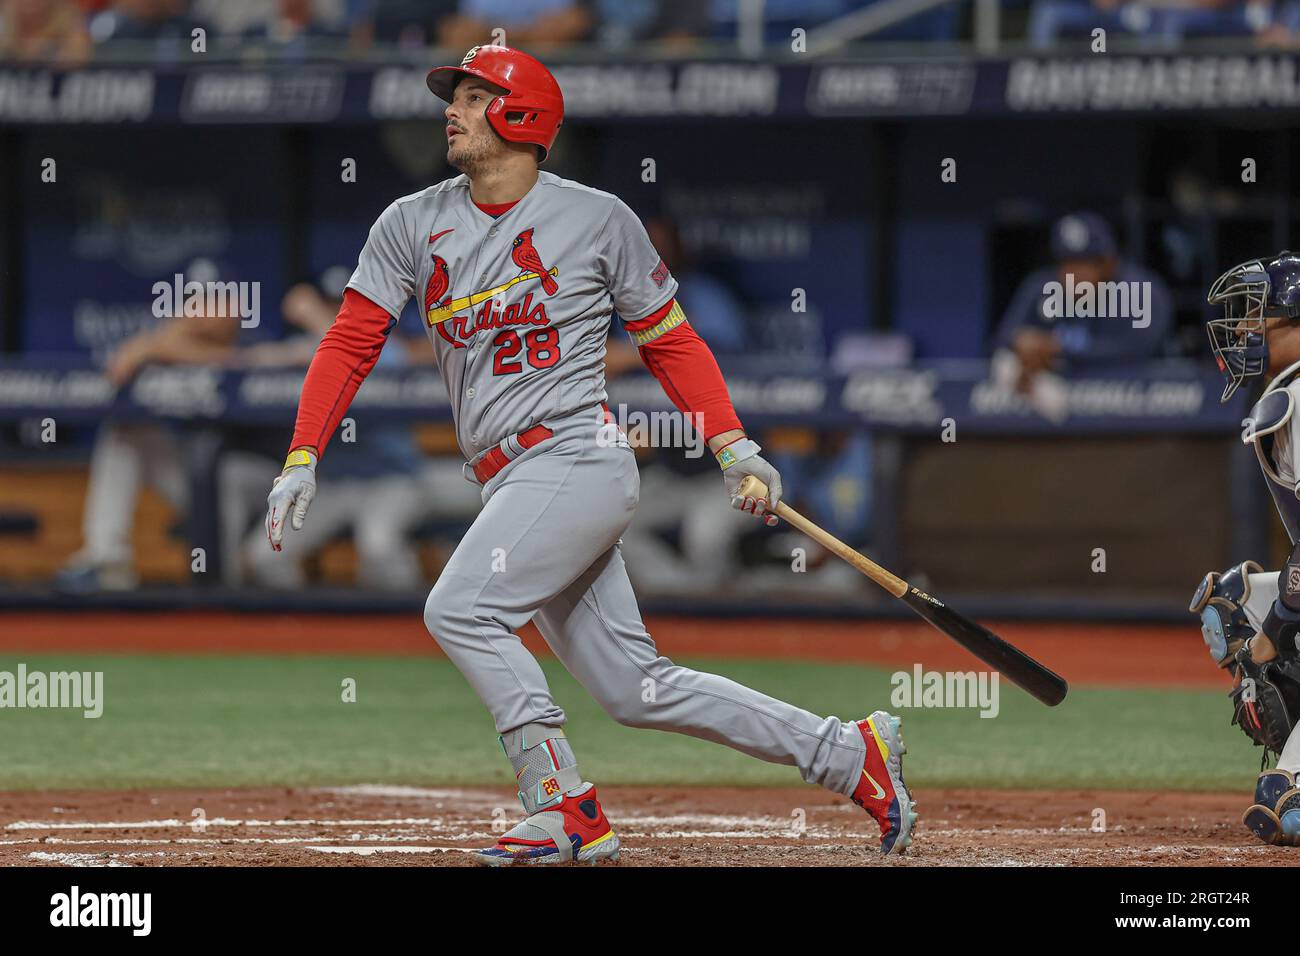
<point x="1134" y="853"/>
<point x="641" y="825"/>
<point x="466" y="834"/>
<point x="721" y="822"/>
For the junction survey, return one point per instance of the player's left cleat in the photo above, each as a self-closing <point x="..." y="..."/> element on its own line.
<point x="881" y="791"/>
<point x="573" y="830"/>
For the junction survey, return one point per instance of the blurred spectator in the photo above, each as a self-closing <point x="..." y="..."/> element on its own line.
<point x="165" y="24"/>
<point x="293" y="26"/>
<point x="43" y="31"/>
<point x="781" y="17"/>
<point x="411" y="24"/>
<point x="130" y="455"/>
<point x="1177" y="20"/>
<point x="1051" y="21"/>
<point x="621" y="22"/>
<point x="1165" y="22"/>
<point x="379" y="487"/>
<point x="289" y="25"/>
<point x="1283" y="32"/>
<point x="527" y="23"/>
<point x="1066" y="316"/>
<point x="233" y="17"/>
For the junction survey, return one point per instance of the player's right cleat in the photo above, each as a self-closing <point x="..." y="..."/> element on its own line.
<point x="881" y="791"/>
<point x="574" y="829"/>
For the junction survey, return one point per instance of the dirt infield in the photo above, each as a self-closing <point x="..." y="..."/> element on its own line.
<point x="406" y="826"/>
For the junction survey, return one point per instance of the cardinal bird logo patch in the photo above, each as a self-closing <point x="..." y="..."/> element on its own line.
<point x="436" y="288"/>
<point x="525" y="255"/>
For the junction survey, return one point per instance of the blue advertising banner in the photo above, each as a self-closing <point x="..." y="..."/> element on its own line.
<point x="1167" y="396"/>
<point x="677" y="90"/>
<point x="138" y="209"/>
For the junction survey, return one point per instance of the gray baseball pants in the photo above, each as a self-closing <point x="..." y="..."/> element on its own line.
<point x="546" y="547"/>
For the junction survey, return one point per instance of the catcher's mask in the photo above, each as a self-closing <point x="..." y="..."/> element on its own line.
<point x="1250" y="293"/>
<point x="1237" y="339"/>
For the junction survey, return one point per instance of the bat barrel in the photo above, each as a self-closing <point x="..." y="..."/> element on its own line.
<point x="1017" y="666"/>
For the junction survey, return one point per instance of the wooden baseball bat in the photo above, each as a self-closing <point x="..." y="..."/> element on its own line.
<point x="1021" y="669"/>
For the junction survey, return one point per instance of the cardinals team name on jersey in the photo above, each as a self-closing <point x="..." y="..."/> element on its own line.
<point x="493" y="315"/>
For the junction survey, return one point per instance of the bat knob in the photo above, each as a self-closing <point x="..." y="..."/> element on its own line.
<point x="752" y="487"/>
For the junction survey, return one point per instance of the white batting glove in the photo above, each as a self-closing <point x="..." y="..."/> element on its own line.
<point x="739" y="459"/>
<point x="291" y="495"/>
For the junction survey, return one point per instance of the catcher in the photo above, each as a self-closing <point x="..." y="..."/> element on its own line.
<point x="1250" y="618"/>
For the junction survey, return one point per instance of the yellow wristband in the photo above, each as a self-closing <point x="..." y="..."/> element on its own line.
<point x="299" y="456"/>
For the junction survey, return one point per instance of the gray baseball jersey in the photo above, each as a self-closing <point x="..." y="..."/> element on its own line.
<point x="517" y="307"/>
<point x="527" y="299"/>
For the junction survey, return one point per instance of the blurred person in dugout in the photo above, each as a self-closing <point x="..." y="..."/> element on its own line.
<point x="382" y="488"/>
<point x="128" y="456"/>
<point x="43" y="31"/>
<point x="678" y="542"/>
<point x="1092" y="308"/>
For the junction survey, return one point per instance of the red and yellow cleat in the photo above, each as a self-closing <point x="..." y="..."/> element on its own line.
<point x="881" y="791"/>
<point x="573" y="829"/>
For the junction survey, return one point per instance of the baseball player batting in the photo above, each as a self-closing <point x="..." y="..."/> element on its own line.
<point x="519" y="273"/>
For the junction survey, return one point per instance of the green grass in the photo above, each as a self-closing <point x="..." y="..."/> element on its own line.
<point x="199" y="721"/>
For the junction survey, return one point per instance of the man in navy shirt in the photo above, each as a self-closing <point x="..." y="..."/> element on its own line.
<point x="1091" y="308"/>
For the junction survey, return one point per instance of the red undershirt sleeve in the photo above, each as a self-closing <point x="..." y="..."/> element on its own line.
<point x="342" y="361"/>
<point x="685" y="367"/>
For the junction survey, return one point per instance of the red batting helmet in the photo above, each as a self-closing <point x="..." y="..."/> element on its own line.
<point x="531" y="93"/>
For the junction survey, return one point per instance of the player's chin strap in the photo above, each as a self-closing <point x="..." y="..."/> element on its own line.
<point x="545" y="768"/>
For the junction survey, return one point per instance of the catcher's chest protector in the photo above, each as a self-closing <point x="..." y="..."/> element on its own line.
<point x="1270" y="428"/>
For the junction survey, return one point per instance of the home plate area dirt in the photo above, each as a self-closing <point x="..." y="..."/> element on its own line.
<point x="411" y="826"/>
